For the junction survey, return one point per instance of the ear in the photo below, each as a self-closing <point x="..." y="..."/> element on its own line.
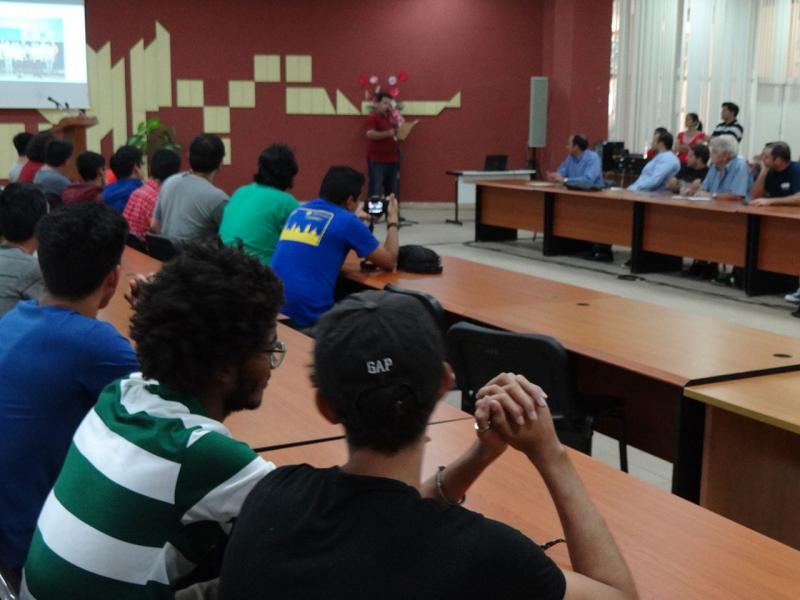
<point x="447" y="381"/>
<point x="351" y="204"/>
<point x="109" y="285"/>
<point x="325" y="409"/>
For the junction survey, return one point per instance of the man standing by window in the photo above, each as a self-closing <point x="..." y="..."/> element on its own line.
<point x="729" y="125"/>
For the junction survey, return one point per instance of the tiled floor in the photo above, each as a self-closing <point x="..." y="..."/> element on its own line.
<point x="770" y="313"/>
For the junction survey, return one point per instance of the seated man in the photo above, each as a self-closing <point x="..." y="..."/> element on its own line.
<point x="371" y="528"/>
<point x="20" y="142"/>
<point x="728" y="178"/>
<point x="661" y="168"/>
<point x="166" y="478"/>
<point x="189" y="207"/>
<point x="257" y="212"/>
<point x="315" y="242"/>
<point x="55" y="357"/>
<point x="695" y="169"/>
<point x="778" y="182"/>
<point x="92" y="169"/>
<point x="125" y="164"/>
<point x="142" y="203"/>
<point x="52" y="177"/>
<point x="580" y="165"/>
<point x="35" y="155"/>
<point x="21" y="207"/>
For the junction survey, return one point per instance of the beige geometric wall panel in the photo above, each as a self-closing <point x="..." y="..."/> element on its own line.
<point x="227" y="159"/>
<point x="344" y="106"/>
<point x="242" y="94"/>
<point x="216" y="119"/>
<point x="151" y="76"/>
<point x="308" y="101"/>
<point x="190" y="93"/>
<point x="267" y="68"/>
<point x="8" y="154"/>
<point x="421" y="108"/>
<point x="298" y="68"/>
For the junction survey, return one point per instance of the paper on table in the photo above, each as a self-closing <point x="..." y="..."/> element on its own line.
<point x="692" y="198"/>
<point x="405" y="129"/>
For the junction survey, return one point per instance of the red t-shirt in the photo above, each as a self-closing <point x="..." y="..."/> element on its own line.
<point x="382" y="151"/>
<point x="28" y="172"/>
<point x="698" y="137"/>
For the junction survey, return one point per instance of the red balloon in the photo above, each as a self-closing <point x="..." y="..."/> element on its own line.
<point x="362" y="80"/>
<point x="394" y="91"/>
<point x="402" y="76"/>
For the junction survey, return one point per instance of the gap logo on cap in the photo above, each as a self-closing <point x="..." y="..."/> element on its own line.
<point x="379" y="366"/>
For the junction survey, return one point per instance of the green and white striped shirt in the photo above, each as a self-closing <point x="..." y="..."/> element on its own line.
<point x="150" y="484"/>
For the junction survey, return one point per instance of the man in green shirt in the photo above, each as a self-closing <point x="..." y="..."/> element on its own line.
<point x="257" y="212"/>
<point x="152" y="479"/>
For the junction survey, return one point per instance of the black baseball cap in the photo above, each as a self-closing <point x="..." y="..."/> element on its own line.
<point x="378" y="358"/>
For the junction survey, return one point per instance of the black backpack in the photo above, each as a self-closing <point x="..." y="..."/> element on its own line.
<point x="418" y="259"/>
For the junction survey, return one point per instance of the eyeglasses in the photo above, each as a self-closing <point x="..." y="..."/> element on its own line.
<point x="276" y="354"/>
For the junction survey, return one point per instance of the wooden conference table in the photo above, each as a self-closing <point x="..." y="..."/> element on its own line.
<point x="288" y="413"/>
<point x="751" y="455"/>
<point x="644" y="353"/>
<point x="675" y="549"/>
<point x="659" y="230"/>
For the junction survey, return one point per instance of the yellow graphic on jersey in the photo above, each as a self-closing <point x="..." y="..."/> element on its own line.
<point x="307" y="226"/>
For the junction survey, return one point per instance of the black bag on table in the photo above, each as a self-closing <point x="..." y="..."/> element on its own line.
<point x="418" y="259"/>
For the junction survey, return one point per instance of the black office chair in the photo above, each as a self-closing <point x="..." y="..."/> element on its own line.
<point x="478" y="354"/>
<point x="136" y="243"/>
<point x="161" y="247"/>
<point x="430" y="303"/>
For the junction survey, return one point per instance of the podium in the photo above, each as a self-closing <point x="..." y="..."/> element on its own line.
<point x="73" y="129"/>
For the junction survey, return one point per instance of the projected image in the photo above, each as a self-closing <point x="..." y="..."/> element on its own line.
<point x="31" y="49"/>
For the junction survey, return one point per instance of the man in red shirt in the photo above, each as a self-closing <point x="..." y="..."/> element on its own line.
<point x="383" y="157"/>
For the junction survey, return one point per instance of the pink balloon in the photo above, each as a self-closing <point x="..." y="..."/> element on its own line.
<point x="394" y="92"/>
<point x="374" y="79"/>
<point x="392" y="80"/>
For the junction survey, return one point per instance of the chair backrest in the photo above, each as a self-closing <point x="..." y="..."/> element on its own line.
<point x="478" y="354"/>
<point x="430" y="303"/>
<point x="495" y="162"/>
<point x="136" y="243"/>
<point x="160" y="247"/>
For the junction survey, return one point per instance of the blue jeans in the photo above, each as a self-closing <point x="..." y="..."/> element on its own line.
<point x="383" y="178"/>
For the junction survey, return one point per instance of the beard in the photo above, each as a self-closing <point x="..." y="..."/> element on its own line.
<point x="246" y="394"/>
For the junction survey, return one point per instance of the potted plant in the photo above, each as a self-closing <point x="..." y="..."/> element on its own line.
<point x="152" y="135"/>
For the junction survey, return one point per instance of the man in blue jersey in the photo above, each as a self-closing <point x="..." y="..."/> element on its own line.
<point x="316" y="240"/>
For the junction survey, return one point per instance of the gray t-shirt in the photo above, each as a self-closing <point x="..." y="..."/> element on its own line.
<point x="52" y="182"/>
<point x="20" y="278"/>
<point x="189" y="208"/>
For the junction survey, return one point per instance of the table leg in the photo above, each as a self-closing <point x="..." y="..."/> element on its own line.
<point x="455" y="220"/>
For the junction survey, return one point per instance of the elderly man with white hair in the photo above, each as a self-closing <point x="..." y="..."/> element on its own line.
<point x="728" y="178"/>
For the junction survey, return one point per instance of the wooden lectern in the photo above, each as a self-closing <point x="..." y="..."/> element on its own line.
<point x="73" y="129"/>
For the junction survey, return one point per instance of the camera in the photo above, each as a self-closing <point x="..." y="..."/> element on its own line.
<point x="376" y="206"/>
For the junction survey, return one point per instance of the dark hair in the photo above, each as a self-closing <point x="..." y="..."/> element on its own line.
<point x="660" y="130"/>
<point x="165" y="163"/>
<point x="665" y="137"/>
<point x="734" y="108"/>
<point x="209" y="306"/>
<point x="79" y="245"/>
<point x="696" y="118"/>
<point x="701" y="152"/>
<point x="124" y="160"/>
<point x="21" y="207"/>
<point x="340" y="183"/>
<point x="781" y="150"/>
<point x="57" y="152"/>
<point x="21" y="141"/>
<point x="580" y="141"/>
<point x="89" y="165"/>
<point x="206" y="153"/>
<point x="35" y="149"/>
<point x="277" y="167"/>
<point x="381" y="95"/>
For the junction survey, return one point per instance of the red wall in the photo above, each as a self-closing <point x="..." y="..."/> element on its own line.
<point x="485" y="49"/>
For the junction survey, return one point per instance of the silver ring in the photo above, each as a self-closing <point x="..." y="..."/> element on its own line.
<point x="482" y="430"/>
